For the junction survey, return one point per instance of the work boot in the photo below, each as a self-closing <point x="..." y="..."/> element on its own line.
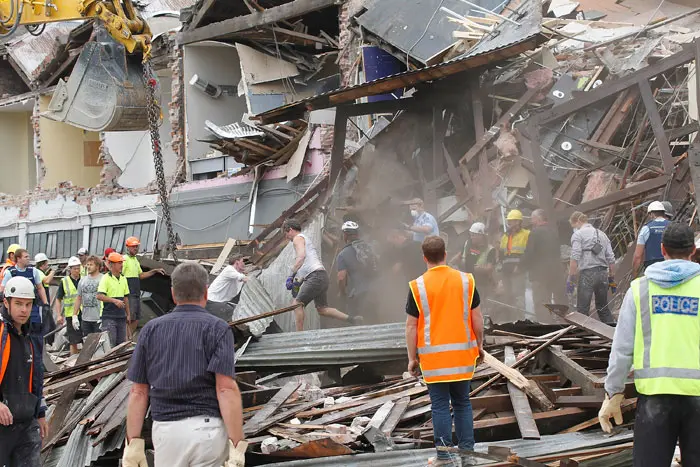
<point x="435" y="462"/>
<point x="356" y="320"/>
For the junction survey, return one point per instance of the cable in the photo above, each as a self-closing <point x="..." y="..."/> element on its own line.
<point x="425" y="31"/>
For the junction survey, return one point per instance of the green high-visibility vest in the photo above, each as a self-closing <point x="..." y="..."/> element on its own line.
<point x="70" y="292"/>
<point x="667" y="338"/>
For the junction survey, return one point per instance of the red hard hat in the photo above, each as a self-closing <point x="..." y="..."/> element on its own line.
<point x="108" y="251"/>
<point x="132" y="241"/>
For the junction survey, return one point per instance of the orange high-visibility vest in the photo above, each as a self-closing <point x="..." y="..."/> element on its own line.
<point x="5" y="354"/>
<point x="447" y="345"/>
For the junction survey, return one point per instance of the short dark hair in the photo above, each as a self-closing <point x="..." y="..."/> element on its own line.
<point x="234" y="258"/>
<point x="189" y="282"/>
<point x="94" y="259"/>
<point x="19" y="252"/>
<point x="291" y="224"/>
<point x="434" y="249"/>
<point x="678" y="240"/>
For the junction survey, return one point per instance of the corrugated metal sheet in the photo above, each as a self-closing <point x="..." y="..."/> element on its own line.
<point x="233" y="130"/>
<point x="526" y="448"/>
<point x="58" y="244"/>
<point x="29" y="52"/>
<point x="272" y="293"/>
<point x="326" y="347"/>
<point x="507" y="41"/>
<point x="4" y="243"/>
<point x="114" y="236"/>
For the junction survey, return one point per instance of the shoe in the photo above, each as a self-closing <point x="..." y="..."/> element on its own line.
<point x="356" y="320"/>
<point x="435" y="462"/>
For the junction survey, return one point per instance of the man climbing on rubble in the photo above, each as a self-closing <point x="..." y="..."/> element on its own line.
<point x="22" y="410"/>
<point x="87" y="301"/>
<point x="197" y="410"/>
<point x="542" y="261"/>
<point x="308" y="279"/>
<point x="424" y="223"/>
<point x="444" y="337"/>
<point x="113" y="292"/>
<point x="648" y="250"/>
<point x="659" y="334"/>
<point x="10" y="260"/>
<point x="479" y="258"/>
<point x="591" y="268"/>
<point x="225" y="290"/>
<point x="513" y="244"/>
<point x="65" y="305"/>
<point x="134" y="275"/>
<point x="357" y="271"/>
<point x="83" y="256"/>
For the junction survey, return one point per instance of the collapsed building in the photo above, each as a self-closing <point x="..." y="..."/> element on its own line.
<point x="318" y="109"/>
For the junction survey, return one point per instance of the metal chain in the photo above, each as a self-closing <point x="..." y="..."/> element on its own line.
<point x="153" y="120"/>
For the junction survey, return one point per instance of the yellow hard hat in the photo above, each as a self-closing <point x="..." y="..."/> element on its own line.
<point x="514" y="215"/>
<point x="12" y="248"/>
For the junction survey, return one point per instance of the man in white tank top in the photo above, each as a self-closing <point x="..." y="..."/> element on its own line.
<point x="309" y="270"/>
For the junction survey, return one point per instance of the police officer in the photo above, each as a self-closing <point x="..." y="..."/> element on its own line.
<point x="648" y="249"/>
<point x="658" y="332"/>
<point x="22" y="422"/>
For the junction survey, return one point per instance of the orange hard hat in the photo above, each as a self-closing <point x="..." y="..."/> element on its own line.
<point x="115" y="258"/>
<point x="132" y="241"/>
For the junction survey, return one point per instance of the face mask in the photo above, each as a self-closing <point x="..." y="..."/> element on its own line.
<point x="414" y="213"/>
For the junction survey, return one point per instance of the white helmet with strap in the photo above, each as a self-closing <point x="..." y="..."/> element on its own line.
<point x="19" y="287"/>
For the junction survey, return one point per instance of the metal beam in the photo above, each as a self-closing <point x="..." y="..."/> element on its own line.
<point x="253" y="20"/>
<point x="657" y="125"/>
<point x="388" y="106"/>
<point x="607" y="89"/>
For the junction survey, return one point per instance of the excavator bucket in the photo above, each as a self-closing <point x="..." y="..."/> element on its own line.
<point x="105" y="91"/>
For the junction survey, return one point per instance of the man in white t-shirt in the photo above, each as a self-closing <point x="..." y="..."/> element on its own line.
<point x="226" y="288"/>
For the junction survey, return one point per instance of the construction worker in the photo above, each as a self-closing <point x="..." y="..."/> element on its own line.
<point x="308" y="280"/>
<point x="648" y="250"/>
<point x="22" y="412"/>
<point x="105" y="262"/>
<point x="10" y="260"/>
<point x="113" y="292"/>
<point x="134" y="275"/>
<point x="513" y="244"/>
<point x="82" y="256"/>
<point x="479" y="257"/>
<point x="226" y="288"/>
<point x="668" y="210"/>
<point x="64" y="305"/>
<point x="591" y="267"/>
<point x="658" y="334"/>
<point x="424" y="223"/>
<point x="46" y="273"/>
<point x="444" y="336"/>
<point x="86" y="302"/>
<point x="357" y="271"/>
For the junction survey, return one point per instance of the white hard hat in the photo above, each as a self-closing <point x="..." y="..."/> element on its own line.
<point x="40" y="257"/>
<point x="656" y="206"/>
<point x="83" y="251"/>
<point x="478" y="228"/>
<point x="73" y="261"/>
<point x="349" y="226"/>
<point x="19" y="287"/>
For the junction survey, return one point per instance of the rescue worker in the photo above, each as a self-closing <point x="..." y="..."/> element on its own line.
<point x="22" y="412"/>
<point x="648" y="250"/>
<point x="513" y="244"/>
<point x="444" y="336"/>
<point x="668" y="210"/>
<point x="105" y="261"/>
<point x="10" y="260"/>
<point x="113" y="292"/>
<point x="658" y="334"/>
<point x="591" y="267"/>
<point x="424" y="223"/>
<point x="134" y="275"/>
<point x="65" y="301"/>
<point x="225" y="290"/>
<point x="46" y="274"/>
<point x="357" y="271"/>
<point x="86" y="303"/>
<point x="479" y="257"/>
<point x="82" y="256"/>
<point x="308" y="280"/>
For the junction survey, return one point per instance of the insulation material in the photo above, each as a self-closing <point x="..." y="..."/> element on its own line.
<point x="507" y="145"/>
<point x="539" y="79"/>
<point x="296" y="162"/>
<point x="599" y="184"/>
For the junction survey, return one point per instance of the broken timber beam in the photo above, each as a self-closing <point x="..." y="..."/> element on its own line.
<point x="521" y="406"/>
<point x="519" y="381"/>
<point x="657" y="125"/>
<point x="582" y="321"/>
<point x="259" y="421"/>
<point x="241" y="23"/>
<point x="590" y="384"/>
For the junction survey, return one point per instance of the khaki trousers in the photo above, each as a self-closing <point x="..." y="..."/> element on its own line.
<point x="191" y="442"/>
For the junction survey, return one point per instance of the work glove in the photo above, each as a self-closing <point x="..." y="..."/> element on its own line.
<point x="570" y="286"/>
<point x="134" y="453"/>
<point x="76" y="323"/>
<point x="610" y="408"/>
<point x="236" y="454"/>
<point x="612" y="284"/>
<point x="289" y="283"/>
<point x="296" y="285"/>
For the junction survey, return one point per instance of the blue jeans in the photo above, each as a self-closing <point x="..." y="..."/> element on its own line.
<point x="440" y="396"/>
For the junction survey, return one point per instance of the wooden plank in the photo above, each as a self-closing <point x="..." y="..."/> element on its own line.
<point x="579" y="401"/>
<point x="657" y="125"/>
<point x="579" y="319"/>
<point x="394" y="417"/>
<point x="200" y="14"/>
<point x="241" y="23"/>
<point x="519" y="381"/>
<point x="539" y="417"/>
<point x="223" y="256"/>
<point x="258" y="423"/>
<point x="381" y="415"/>
<point x="85" y="377"/>
<point x="521" y="406"/>
<point x="626" y="406"/>
<point x="590" y="384"/>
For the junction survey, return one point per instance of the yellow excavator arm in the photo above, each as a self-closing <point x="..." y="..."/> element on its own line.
<point x="107" y="89"/>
